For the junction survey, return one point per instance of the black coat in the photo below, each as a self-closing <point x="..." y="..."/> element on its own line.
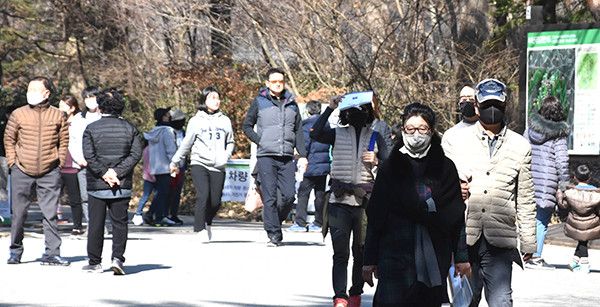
<point x="393" y="212"/>
<point x="111" y="142"/>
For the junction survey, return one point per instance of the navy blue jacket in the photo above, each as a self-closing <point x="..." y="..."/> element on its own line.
<point x="319" y="161"/>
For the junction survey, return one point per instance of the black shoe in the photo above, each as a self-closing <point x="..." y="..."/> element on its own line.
<point x="14" y="259"/>
<point x="177" y="221"/>
<point x="54" y="260"/>
<point x="117" y="267"/>
<point x="148" y="219"/>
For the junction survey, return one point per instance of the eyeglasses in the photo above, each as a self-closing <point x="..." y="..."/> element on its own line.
<point x="466" y="99"/>
<point x="412" y="130"/>
<point x="277" y="81"/>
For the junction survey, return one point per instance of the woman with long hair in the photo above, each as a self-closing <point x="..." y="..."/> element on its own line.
<point x="209" y="137"/>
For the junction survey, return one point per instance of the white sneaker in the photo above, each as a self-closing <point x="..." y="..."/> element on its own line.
<point x="203" y="236"/>
<point x="137" y="220"/>
<point x="168" y="221"/>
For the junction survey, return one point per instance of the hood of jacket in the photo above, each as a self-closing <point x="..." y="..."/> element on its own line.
<point x="542" y="129"/>
<point x="153" y="136"/>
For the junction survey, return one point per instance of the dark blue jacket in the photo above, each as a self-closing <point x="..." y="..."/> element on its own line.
<point x="319" y="162"/>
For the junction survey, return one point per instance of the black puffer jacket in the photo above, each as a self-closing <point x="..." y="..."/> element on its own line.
<point x="111" y="142"/>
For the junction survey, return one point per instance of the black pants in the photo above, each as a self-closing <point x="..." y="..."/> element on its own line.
<point x="309" y="183"/>
<point x="344" y="220"/>
<point x="582" y="249"/>
<point x="117" y="211"/>
<point x="71" y="185"/>
<point x="161" y="195"/>
<point x="276" y="173"/>
<point x="209" y="188"/>
<point x="174" y="198"/>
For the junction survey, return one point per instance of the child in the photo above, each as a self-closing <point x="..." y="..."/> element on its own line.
<point x="583" y="222"/>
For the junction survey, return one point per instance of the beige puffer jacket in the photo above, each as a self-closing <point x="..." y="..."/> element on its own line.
<point x="36" y="139"/>
<point x="583" y="223"/>
<point x="501" y="190"/>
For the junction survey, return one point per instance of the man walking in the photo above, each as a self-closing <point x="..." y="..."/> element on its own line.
<point x="501" y="195"/>
<point x="279" y="130"/>
<point x="36" y="140"/>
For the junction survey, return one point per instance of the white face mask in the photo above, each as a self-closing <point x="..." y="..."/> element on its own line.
<point x="35" y="98"/>
<point x="91" y="103"/>
<point x="416" y="143"/>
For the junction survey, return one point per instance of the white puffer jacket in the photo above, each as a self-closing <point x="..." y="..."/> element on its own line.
<point x="502" y="194"/>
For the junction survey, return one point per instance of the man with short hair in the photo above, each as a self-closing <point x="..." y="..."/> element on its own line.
<point x="315" y="176"/>
<point x="36" y="140"/>
<point x="466" y="105"/>
<point x="279" y="130"/>
<point x="500" y="194"/>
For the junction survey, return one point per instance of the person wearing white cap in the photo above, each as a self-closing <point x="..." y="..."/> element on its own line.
<point x="501" y="210"/>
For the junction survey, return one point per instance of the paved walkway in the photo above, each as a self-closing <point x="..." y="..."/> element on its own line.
<point x="168" y="266"/>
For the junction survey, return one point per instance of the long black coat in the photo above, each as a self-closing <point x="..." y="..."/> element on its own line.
<point x="393" y="212"/>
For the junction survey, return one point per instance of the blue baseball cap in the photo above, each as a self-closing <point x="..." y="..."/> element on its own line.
<point x="490" y="89"/>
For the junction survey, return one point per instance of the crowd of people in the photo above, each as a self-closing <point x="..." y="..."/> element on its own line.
<point x="406" y="203"/>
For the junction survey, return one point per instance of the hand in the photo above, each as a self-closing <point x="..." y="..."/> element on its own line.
<point x="527" y="256"/>
<point x="367" y="272"/>
<point x="464" y="184"/>
<point x="82" y="163"/>
<point x="111" y="177"/>
<point x="335" y="101"/>
<point x="462" y="269"/>
<point x="173" y="169"/>
<point x="369" y="157"/>
<point x="302" y="163"/>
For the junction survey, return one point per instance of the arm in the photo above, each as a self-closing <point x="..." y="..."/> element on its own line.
<point x="525" y="206"/>
<point x="250" y="121"/>
<point x="63" y="142"/>
<point x="562" y="159"/>
<point x="89" y="151"/>
<point x="76" y="140"/>
<point x="384" y="148"/>
<point x="186" y="145"/>
<point x="319" y="132"/>
<point x="10" y="140"/>
<point x="230" y="141"/>
<point x="135" y="153"/>
<point x="300" y="146"/>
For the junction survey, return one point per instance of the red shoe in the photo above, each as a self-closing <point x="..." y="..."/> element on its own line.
<point x="354" y="301"/>
<point x="340" y="302"/>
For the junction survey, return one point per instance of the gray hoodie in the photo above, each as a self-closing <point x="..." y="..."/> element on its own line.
<point x="210" y="139"/>
<point x="162" y="147"/>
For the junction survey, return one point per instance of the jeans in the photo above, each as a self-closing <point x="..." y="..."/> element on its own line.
<point x="309" y="183"/>
<point x="161" y="194"/>
<point x="117" y="210"/>
<point x="276" y="173"/>
<point x="344" y="221"/>
<point x="491" y="267"/>
<point x="543" y="218"/>
<point x="149" y="186"/>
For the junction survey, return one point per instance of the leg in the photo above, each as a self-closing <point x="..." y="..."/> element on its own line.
<point x="357" y="251"/>
<point x="95" y="243"/>
<point x="304" y="190"/>
<point x="340" y="223"/>
<point x="217" y="180"/>
<point x="160" y="197"/>
<point x="175" y="196"/>
<point x="148" y="188"/>
<point x="81" y="178"/>
<point x="320" y="201"/>
<point x="496" y="268"/>
<point x="286" y="182"/>
<point x="201" y="178"/>
<point x="582" y="249"/>
<point x="48" y="191"/>
<point x="72" y="187"/>
<point x="543" y="218"/>
<point x="267" y="174"/>
<point x="476" y="280"/>
<point x="118" y="218"/>
<point x="20" y="185"/>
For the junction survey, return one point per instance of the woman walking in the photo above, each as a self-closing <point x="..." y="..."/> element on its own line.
<point x="209" y="137"/>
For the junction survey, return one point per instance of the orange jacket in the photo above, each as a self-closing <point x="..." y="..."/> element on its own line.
<point x="36" y="139"/>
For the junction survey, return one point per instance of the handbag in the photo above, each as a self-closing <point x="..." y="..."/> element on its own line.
<point x="253" y="199"/>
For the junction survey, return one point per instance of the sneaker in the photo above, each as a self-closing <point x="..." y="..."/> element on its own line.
<point x="354" y="301"/>
<point x="340" y="302"/>
<point x="168" y="221"/>
<point x="208" y="231"/>
<point x="137" y="220"/>
<point x="14" y="259"/>
<point x="296" y="228"/>
<point x="54" y="260"/>
<point x="538" y="263"/>
<point x="177" y="221"/>
<point x="160" y="223"/>
<point x="92" y="268"/>
<point x="117" y="267"/>
<point x="78" y="234"/>
<point x="573" y="263"/>
<point x="314" y="228"/>
<point x="203" y="236"/>
<point x="273" y="243"/>
<point x="583" y="268"/>
<point x="148" y="219"/>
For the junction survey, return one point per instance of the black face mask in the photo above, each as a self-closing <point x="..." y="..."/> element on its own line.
<point x="358" y="119"/>
<point x="467" y="108"/>
<point x="492" y="114"/>
<point x="178" y="124"/>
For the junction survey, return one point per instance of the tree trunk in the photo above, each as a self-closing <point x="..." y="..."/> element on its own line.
<point x="220" y="19"/>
